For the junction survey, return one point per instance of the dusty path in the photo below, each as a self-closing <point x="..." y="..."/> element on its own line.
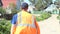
<point x="50" y="25"/>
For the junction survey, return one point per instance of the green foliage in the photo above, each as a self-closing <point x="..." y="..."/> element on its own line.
<point x="39" y="18"/>
<point x="33" y="1"/>
<point x="41" y="4"/>
<point x="57" y="2"/>
<point x="43" y="16"/>
<point x="58" y="17"/>
<point x="5" y="27"/>
<point x="55" y="12"/>
<point x="12" y="6"/>
<point x="14" y="11"/>
<point x="38" y="12"/>
<point x="2" y="10"/>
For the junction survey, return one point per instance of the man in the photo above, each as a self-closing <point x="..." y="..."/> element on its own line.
<point x="24" y="22"/>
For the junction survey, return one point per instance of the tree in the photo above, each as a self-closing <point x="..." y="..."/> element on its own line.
<point x="57" y="3"/>
<point x="41" y="4"/>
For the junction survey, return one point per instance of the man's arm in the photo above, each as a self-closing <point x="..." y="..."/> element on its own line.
<point x="37" y="27"/>
<point x="14" y="24"/>
<point x="13" y="28"/>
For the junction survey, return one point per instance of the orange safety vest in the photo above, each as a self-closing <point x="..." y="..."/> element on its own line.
<point x="26" y="24"/>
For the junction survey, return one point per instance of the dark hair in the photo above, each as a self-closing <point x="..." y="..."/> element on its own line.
<point x="24" y="5"/>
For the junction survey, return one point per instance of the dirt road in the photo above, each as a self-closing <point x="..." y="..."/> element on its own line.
<point x="50" y="25"/>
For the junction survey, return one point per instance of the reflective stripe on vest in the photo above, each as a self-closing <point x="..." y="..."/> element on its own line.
<point x="32" y="25"/>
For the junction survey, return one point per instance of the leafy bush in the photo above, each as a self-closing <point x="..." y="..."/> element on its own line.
<point x="43" y="16"/>
<point x="41" y="4"/>
<point x="5" y="27"/>
<point x="11" y="6"/>
<point x="14" y="11"/>
<point x="55" y="12"/>
<point x="8" y="16"/>
<point x="39" y="18"/>
<point x="58" y="17"/>
<point x="2" y="11"/>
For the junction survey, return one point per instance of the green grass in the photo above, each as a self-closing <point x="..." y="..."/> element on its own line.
<point x="43" y="16"/>
<point x="38" y="12"/>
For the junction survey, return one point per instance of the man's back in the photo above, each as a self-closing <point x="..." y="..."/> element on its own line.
<point x="26" y="17"/>
<point x="25" y="20"/>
